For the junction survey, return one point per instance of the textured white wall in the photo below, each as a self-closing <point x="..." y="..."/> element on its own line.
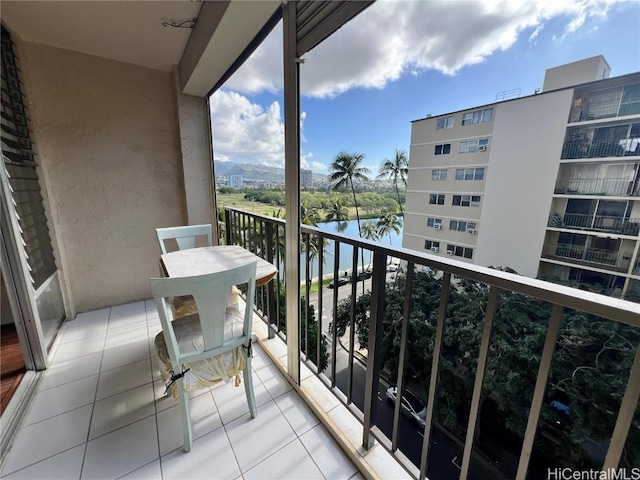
<point x="525" y="153"/>
<point x="109" y="145"/>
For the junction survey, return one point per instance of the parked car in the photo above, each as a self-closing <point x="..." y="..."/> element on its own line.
<point x="341" y="281"/>
<point x="364" y="275"/>
<point x="392" y="267"/>
<point x="411" y="405"/>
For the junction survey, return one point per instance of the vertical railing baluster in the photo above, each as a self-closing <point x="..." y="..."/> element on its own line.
<point x="477" y="387"/>
<point x="435" y="372"/>
<point x="625" y="416"/>
<point x="307" y="291"/>
<point x="403" y="355"/>
<point x="271" y="301"/>
<point x="538" y="392"/>
<point x="277" y="240"/>
<point x="374" y="357"/>
<point x="352" y="323"/>
<point x="319" y="336"/>
<point x="227" y="226"/>
<point x="334" y="329"/>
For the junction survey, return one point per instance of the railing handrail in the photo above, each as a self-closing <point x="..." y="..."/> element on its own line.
<point x="612" y="308"/>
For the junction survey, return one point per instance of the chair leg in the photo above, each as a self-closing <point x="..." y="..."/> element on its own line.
<point x="248" y="388"/>
<point x="186" y="417"/>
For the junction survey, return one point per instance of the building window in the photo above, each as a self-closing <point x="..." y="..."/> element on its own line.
<point x="479" y="116"/>
<point x="443" y="149"/>
<point x="438" y="175"/>
<point x="459" y="251"/>
<point x="460" y="226"/>
<point x="474" y="145"/>
<point x="430" y="245"/>
<point x="437" y="199"/>
<point x="432" y="222"/>
<point x="470" y="174"/>
<point x="446" y="122"/>
<point x="466" y="200"/>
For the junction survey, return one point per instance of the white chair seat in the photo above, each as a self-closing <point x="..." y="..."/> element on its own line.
<point x="209" y="371"/>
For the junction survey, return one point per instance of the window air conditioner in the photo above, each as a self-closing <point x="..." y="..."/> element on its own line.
<point x="482" y="148"/>
<point x="449" y="252"/>
<point x="472" y="231"/>
<point x="437" y="225"/>
<point x="434" y="249"/>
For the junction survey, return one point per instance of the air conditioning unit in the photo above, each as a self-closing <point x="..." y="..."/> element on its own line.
<point x="482" y="148"/>
<point x="472" y="231"/>
<point x="449" y="252"/>
<point x="437" y="226"/>
<point x="434" y="249"/>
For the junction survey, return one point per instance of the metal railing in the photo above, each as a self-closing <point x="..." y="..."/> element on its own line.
<point x="625" y="147"/>
<point x="604" y="223"/>
<point x="604" y="109"/>
<point x="598" y="186"/>
<point x="587" y="255"/>
<point x="369" y="315"/>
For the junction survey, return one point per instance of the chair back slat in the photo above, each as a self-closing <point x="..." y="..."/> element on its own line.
<point x="210" y="295"/>
<point x="185" y="236"/>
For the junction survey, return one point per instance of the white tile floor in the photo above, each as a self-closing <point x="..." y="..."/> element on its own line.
<point x="100" y="413"/>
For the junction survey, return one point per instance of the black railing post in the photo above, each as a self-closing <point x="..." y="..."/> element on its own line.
<point x="375" y="340"/>
<point x="227" y="226"/>
<point x="271" y="300"/>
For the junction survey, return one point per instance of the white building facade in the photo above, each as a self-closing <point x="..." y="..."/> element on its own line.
<point x="548" y="184"/>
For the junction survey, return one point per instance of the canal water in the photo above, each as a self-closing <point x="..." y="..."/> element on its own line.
<point x="349" y="229"/>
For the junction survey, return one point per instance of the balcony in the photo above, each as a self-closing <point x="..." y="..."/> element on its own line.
<point x="587" y="256"/>
<point x="616" y="102"/>
<point x="600" y="223"/>
<point x="100" y="412"/>
<point x="626" y="147"/>
<point x="428" y="330"/>
<point x="621" y="187"/>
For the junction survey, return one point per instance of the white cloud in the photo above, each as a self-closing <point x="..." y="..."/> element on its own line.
<point x="393" y="38"/>
<point x="245" y="132"/>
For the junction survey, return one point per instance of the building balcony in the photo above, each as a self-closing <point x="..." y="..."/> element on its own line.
<point x="599" y="223"/>
<point x="609" y="260"/>
<point x="625" y="147"/>
<point x="617" y="102"/>
<point x="427" y="329"/>
<point x="621" y="187"/>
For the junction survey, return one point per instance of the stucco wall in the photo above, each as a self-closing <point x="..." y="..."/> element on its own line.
<point x="109" y="145"/>
<point x="525" y="153"/>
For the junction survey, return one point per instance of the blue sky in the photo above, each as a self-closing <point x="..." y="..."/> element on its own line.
<point x="395" y="63"/>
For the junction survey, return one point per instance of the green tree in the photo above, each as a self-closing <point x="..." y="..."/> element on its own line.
<point x="370" y="232"/>
<point x="389" y="223"/>
<point x="346" y="168"/>
<point x="337" y="212"/>
<point x="396" y="170"/>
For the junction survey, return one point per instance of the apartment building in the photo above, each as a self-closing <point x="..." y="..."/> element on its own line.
<point x="547" y="184"/>
<point x="306" y="178"/>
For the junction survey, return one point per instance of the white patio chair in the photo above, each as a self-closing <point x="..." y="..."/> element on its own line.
<point x="185" y="236"/>
<point x="207" y="347"/>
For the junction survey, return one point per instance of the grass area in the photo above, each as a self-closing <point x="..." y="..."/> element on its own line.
<point x="315" y="286"/>
<point x="237" y="200"/>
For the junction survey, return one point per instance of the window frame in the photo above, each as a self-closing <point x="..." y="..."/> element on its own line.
<point x="432" y="243"/>
<point x="435" y="199"/>
<point x="474" y="173"/>
<point x="439" y="174"/>
<point x="442" y="149"/>
<point x="483" y="115"/>
<point x="469" y="200"/>
<point x="447" y="122"/>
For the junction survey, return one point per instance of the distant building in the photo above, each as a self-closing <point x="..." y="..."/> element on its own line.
<point x="306" y="179"/>
<point x="236" y="181"/>
<point x="547" y="184"/>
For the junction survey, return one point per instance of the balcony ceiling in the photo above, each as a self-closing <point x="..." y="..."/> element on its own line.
<point x="132" y="32"/>
<point x="127" y="31"/>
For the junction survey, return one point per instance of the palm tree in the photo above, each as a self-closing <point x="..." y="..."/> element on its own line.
<point x="346" y="168"/>
<point x="396" y="169"/>
<point x="389" y="223"/>
<point x="337" y="212"/>
<point x="370" y="232"/>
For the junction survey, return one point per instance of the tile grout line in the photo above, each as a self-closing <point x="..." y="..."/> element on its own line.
<point x="93" y="406"/>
